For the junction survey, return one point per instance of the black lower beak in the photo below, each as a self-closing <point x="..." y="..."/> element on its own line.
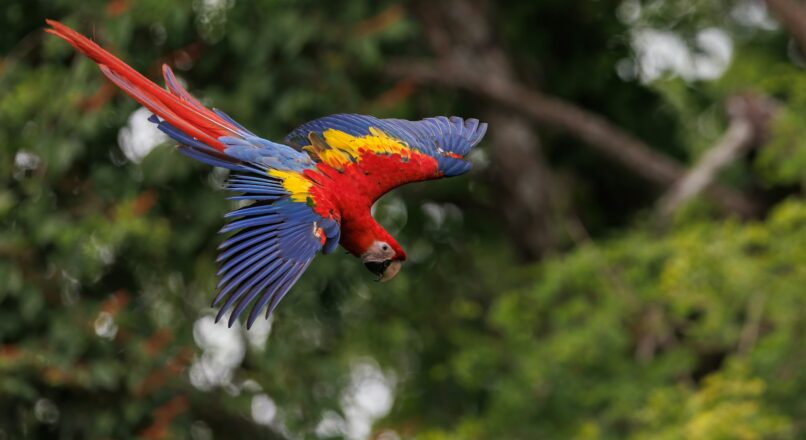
<point x="376" y="267"/>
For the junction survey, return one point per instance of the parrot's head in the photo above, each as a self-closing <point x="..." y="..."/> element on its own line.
<point x="380" y="253"/>
<point x="384" y="258"/>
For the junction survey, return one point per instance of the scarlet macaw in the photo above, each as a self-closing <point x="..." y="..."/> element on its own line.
<point x="309" y="194"/>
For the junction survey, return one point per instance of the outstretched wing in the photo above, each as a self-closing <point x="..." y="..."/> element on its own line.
<point x="278" y="235"/>
<point x="398" y="151"/>
<point x="275" y="238"/>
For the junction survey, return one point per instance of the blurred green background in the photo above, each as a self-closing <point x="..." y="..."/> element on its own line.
<point x="546" y="296"/>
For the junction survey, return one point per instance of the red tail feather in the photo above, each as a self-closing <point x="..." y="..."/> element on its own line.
<point x="177" y="107"/>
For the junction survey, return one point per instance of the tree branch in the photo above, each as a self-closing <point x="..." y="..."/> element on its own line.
<point x="588" y="127"/>
<point x="750" y="116"/>
<point x="792" y="16"/>
<point x="526" y="184"/>
<point x="460" y="30"/>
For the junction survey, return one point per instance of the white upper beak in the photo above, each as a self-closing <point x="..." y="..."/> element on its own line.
<point x="391" y="271"/>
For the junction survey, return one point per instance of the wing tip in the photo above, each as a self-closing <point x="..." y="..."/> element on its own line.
<point x="480" y="131"/>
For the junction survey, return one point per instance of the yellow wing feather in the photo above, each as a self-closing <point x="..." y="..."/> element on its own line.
<point x="346" y="148"/>
<point x="340" y="149"/>
<point x="295" y="183"/>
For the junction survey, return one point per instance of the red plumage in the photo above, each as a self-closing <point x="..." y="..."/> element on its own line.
<point x="178" y="108"/>
<point x="351" y="192"/>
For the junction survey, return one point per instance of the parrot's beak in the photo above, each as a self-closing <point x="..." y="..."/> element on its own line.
<point x="391" y="271"/>
<point x="385" y="270"/>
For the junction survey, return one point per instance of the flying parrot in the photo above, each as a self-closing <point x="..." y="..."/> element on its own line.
<point x="308" y="194"/>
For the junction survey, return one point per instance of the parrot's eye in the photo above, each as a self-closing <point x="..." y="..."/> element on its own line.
<point x="377" y="267"/>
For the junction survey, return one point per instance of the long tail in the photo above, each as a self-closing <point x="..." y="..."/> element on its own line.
<point x="174" y="105"/>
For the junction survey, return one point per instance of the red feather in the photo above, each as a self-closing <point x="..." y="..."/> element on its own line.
<point x="178" y="108"/>
<point x="352" y="191"/>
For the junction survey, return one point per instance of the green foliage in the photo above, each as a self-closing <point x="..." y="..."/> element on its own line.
<point x="685" y="335"/>
<point x="108" y="265"/>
